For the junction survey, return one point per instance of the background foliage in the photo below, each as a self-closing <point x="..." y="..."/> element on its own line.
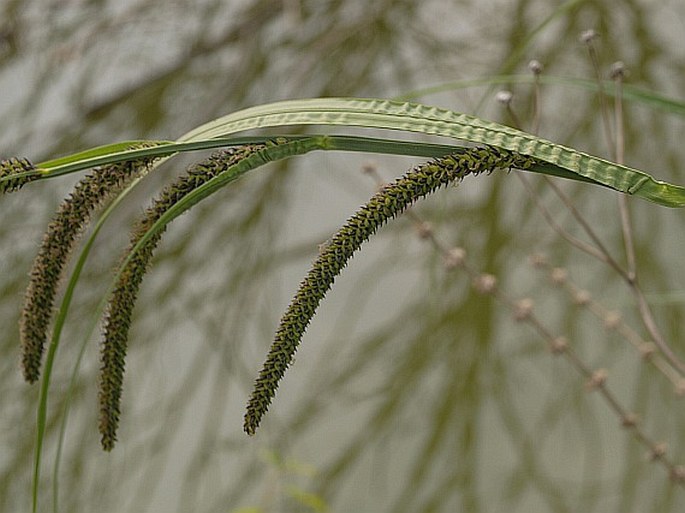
<point x="411" y="392"/>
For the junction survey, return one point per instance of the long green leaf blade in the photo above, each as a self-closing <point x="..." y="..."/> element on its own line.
<point x="424" y="119"/>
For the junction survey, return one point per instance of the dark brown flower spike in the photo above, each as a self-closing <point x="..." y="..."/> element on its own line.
<point x="63" y="232"/>
<point x="15" y="173"/>
<point x="117" y="320"/>
<point x="390" y="201"/>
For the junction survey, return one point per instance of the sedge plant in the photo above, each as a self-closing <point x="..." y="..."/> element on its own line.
<point x="480" y="147"/>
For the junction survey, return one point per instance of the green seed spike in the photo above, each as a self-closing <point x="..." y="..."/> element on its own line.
<point x="117" y="320"/>
<point x="58" y="242"/>
<point x="390" y="201"/>
<point x="15" y="173"/>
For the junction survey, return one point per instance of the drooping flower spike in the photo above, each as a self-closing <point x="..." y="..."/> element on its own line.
<point x="15" y="173"/>
<point x="63" y="232"/>
<point x="389" y="202"/>
<point x="117" y="321"/>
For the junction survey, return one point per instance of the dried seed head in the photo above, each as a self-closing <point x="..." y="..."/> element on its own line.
<point x="454" y="258"/>
<point x="587" y="36"/>
<point x="504" y="97"/>
<point x="618" y="70"/>
<point x="522" y="309"/>
<point x="535" y="67"/>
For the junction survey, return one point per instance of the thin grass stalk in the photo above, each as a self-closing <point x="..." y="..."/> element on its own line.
<point x="617" y="73"/>
<point x="588" y="37"/>
<point x="631" y="94"/>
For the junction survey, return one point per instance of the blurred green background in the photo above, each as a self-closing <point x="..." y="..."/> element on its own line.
<point x="410" y="393"/>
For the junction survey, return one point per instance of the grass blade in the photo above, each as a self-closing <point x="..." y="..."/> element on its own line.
<point x="424" y="119"/>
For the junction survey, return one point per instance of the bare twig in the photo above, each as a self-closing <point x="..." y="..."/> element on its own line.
<point x="613" y="321"/>
<point x="547" y="215"/>
<point x="617" y="73"/>
<point x="588" y="37"/>
<point x="523" y="311"/>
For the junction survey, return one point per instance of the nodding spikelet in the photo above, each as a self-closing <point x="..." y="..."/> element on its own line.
<point x="63" y="232"/>
<point x="117" y="320"/>
<point x="390" y="201"/>
<point x="15" y="173"/>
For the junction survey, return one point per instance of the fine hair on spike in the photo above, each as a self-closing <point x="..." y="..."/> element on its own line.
<point x="117" y="318"/>
<point x="390" y="201"/>
<point x="62" y="234"/>
<point x="15" y="173"/>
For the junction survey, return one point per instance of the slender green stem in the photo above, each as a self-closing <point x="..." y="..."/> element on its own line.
<point x="57" y="332"/>
<point x="55" y="168"/>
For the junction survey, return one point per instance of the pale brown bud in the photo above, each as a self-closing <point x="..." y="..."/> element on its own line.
<point x="485" y="283"/>
<point x="455" y="258"/>
<point x="587" y="36"/>
<point x="558" y="276"/>
<point x="522" y="309"/>
<point x="582" y="297"/>
<point x="559" y="345"/>
<point x="597" y="380"/>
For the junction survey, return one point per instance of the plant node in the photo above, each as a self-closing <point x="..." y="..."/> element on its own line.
<point x="454" y="258"/>
<point x="559" y="345"/>
<point x="485" y="284"/>
<point x="523" y="309"/>
<point x="597" y="380"/>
